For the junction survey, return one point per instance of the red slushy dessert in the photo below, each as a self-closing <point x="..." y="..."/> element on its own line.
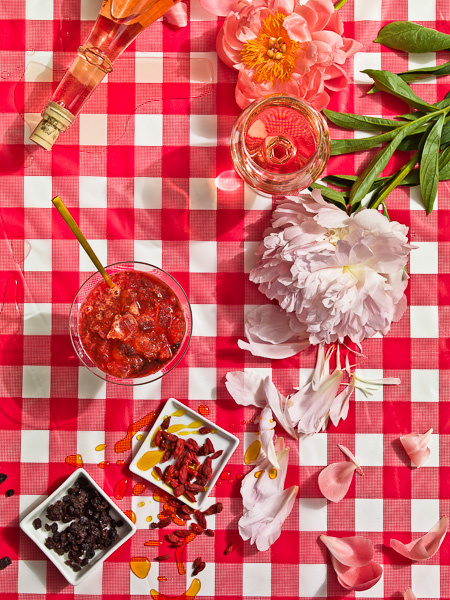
<point x="134" y="329"/>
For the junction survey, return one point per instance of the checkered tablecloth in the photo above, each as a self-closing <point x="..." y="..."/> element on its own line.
<point x="145" y="172"/>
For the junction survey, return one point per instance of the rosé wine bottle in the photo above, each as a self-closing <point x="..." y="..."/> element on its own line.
<point x="280" y="145"/>
<point x="118" y="24"/>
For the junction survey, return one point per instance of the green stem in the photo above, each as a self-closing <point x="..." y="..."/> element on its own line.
<point x="407" y="168"/>
<point x="339" y="4"/>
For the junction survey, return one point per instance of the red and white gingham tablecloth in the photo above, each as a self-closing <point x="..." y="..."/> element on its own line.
<point x="138" y="171"/>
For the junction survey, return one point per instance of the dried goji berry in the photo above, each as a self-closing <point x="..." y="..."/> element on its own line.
<point x="165" y="424"/>
<point x="196" y="562"/>
<point x="179" y="447"/>
<point x="195" y="487"/>
<point x="181" y="533"/>
<point x="179" y="490"/>
<point x="194" y="444"/>
<point x="168" y="473"/>
<point x="214" y="509"/>
<point x="183" y="474"/>
<point x="209" y="532"/>
<point x="210" y="446"/>
<point x="187" y="509"/>
<point x="217" y="454"/>
<point x="196" y="528"/>
<point x="158" y="472"/>
<point x="162" y="557"/>
<point x="169" y="436"/>
<point x="158" y="437"/>
<point x="200" y="567"/>
<point x="229" y="549"/>
<point x="201" y="520"/>
<point x="189" y="495"/>
<point x="165" y="457"/>
<point x="165" y="522"/>
<point x="204" y="430"/>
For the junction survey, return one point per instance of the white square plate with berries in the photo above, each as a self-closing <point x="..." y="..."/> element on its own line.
<point x="34" y="525"/>
<point x="184" y="453"/>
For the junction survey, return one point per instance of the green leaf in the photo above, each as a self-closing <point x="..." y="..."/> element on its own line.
<point x="354" y="145"/>
<point x="410" y="143"/>
<point x="332" y="195"/>
<point x="419" y="74"/>
<point x="444" y="164"/>
<point x="393" y="84"/>
<point x="429" y="174"/>
<point x="360" y="122"/>
<point x="410" y="37"/>
<point x="344" y="181"/>
<point x="364" y="182"/>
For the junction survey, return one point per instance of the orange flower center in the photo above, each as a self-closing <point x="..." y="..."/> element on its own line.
<point x="272" y="54"/>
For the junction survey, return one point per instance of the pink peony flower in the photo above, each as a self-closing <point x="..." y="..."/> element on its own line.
<point x="334" y="275"/>
<point x="283" y="46"/>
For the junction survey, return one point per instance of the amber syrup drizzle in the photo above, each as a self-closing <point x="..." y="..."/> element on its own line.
<point x="125" y="444"/>
<point x="190" y="593"/>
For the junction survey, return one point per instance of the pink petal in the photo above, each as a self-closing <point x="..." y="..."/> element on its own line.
<point x="221" y="8"/>
<point x="297" y="28"/>
<point x="416" y="446"/>
<point x="409" y="595"/>
<point x="246" y="388"/>
<point x="352" y="559"/>
<point x="279" y="406"/>
<point x="426" y="546"/>
<point x="177" y="15"/>
<point x="357" y="578"/>
<point x="350" y="455"/>
<point x="335" y="480"/>
<point x="341" y="404"/>
<point x="351" y="551"/>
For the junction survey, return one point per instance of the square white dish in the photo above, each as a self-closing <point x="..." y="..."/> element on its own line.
<point x="39" y="535"/>
<point x="221" y="439"/>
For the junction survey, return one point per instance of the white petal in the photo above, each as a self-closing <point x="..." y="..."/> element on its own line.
<point x="246" y="388"/>
<point x="266" y="433"/>
<point x="278" y="404"/>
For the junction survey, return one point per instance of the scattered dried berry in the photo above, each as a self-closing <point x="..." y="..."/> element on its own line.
<point x="196" y="562"/>
<point x="182" y="533"/>
<point x="3" y="478"/>
<point x="4" y="562"/>
<point x="217" y="454"/>
<point x="164" y="523"/>
<point x="204" y="430"/>
<point x="200" y="518"/>
<point x="9" y="493"/>
<point x="209" y="532"/>
<point x="162" y="557"/>
<point x="214" y="509"/>
<point x="198" y="569"/>
<point x="196" y="528"/>
<point x="37" y="523"/>
<point x="229" y="549"/>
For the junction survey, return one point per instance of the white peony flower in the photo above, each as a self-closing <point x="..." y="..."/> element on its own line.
<point x="335" y="275"/>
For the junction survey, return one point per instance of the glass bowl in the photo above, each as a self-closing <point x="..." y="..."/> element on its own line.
<point x="91" y="283"/>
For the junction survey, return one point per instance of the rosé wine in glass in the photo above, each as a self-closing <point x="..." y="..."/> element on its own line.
<point x="280" y="145"/>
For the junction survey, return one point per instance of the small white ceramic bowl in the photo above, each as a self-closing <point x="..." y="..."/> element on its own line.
<point x="221" y="439"/>
<point x="40" y="535"/>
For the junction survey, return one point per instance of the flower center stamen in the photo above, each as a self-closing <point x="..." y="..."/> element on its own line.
<point x="272" y="54"/>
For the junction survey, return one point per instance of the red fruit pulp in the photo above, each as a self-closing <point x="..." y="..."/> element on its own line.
<point x="133" y="333"/>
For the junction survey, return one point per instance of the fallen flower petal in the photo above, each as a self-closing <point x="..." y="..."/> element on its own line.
<point x="262" y="524"/>
<point x="264" y="480"/>
<point x="351" y="551"/>
<point x="269" y="334"/>
<point x="334" y="481"/>
<point x="279" y="406"/>
<point x="358" y="579"/>
<point x="416" y="447"/>
<point x="426" y="546"/>
<point x="246" y="388"/>
<point x="177" y="15"/>
<point x="266" y="433"/>
<point x="409" y="595"/>
<point x="352" y="559"/>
